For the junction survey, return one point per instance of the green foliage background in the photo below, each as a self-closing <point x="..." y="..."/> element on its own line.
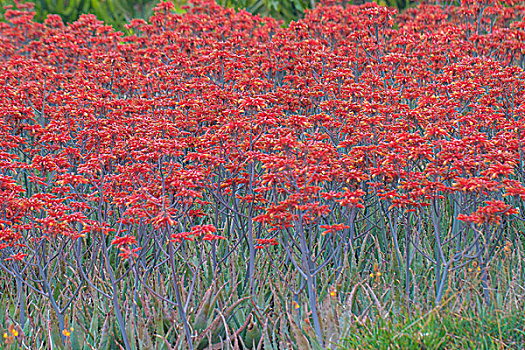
<point x="119" y="12"/>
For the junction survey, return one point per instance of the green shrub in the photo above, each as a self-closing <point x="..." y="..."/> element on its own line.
<point x="119" y="12"/>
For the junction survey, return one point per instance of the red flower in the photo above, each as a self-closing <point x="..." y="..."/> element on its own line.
<point x="265" y="242"/>
<point x="17" y="257"/>
<point x="124" y="241"/>
<point x="126" y="253"/>
<point x="333" y="228"/>
<point x="179" y="236"/>
<point x="211" y="237"/>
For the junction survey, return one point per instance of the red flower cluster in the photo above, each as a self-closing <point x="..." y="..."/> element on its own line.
<point x="262" y="243"/>
<point x="217" y="118"/>
<point x="207" y="232"/>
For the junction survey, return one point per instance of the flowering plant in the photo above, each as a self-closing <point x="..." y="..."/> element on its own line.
<point x="353" y="125"/>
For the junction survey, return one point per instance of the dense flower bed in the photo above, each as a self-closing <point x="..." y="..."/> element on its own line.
<point x="301" y="145"/>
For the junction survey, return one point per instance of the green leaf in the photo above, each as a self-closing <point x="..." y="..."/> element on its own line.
<point x="93" y="326"/>
<point x="77" y="338"/>
<point x="56" y="337"/>
<point x="105" y="334"/>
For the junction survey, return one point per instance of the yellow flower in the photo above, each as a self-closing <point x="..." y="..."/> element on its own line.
<point x="378" y="274"/>
<point x="66" y="333"/>
<point x="5" y="335"/>
<point x="333" y="293"/>
<point x="15" y="332"/>
<point x="296" y="305"/>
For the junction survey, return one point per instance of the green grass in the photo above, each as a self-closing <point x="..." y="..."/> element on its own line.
<point x="441" y="330"/>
